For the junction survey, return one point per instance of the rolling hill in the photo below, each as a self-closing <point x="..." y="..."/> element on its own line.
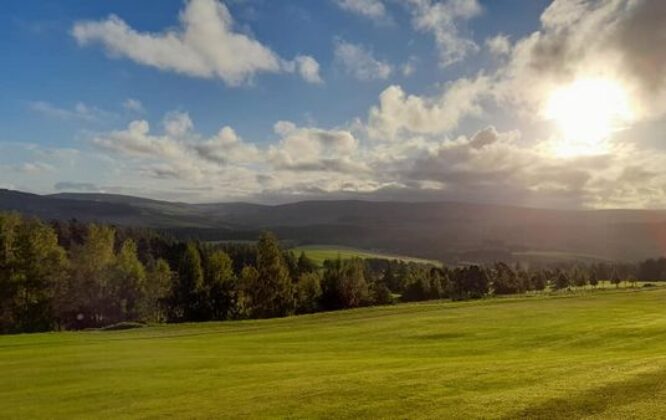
<point x="590" y="355"/>
<point x="448" y="231"/>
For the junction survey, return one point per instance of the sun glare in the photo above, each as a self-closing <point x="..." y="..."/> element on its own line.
<point x="587" y="112"/>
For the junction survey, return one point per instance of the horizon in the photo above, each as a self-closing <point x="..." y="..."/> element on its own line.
<point x="360" y="200"/>
<point x="554" y="104"/>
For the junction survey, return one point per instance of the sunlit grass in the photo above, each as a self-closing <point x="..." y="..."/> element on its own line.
<point x="320" y="253"/>
<point x="597" y="353"/>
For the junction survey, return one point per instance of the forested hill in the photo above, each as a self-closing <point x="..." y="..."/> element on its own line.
<point x="443" y="230"/>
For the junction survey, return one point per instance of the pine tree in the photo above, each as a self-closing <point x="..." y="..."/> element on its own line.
<point x="274" y="295"/>
<point x="220" y="287"/>
<point x="189" y="290"/>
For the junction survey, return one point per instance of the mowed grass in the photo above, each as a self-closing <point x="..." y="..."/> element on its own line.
<point x="599" y="354"/>
<point x="321" y="253"/>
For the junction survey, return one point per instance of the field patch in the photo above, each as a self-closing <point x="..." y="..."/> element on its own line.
<point x="320" y="253"/>
<point x="598" y="353"/>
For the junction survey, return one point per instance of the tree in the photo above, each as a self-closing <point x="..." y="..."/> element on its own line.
<point x="344" y="284"/>
<point x="538" y="281"/>
<point x="9" y="223"/>
<point x="594" y="280"/>
<point x="308" y="292"/>
<point x="189" y="289"/>
<point x="305" y="264"/>
<point x="87" y="298"/>
<point x="579" y="277"/>
<point x="159" y="283"/>
<point x="220" y="285"/>
<point x="505" y="280"/>
<point x="615" y="278"/>
<point x="249" y="282"/>
<point x="128" y="288"/>
<point x="469" y="283"/>
<point x="273" y="295"/>
<point x="561" y="281"/>
<point x="39" y="267"/>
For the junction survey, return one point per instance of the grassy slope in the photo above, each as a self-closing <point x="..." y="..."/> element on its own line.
<point x="599" y="354"/>
<point x="320" y="253"/>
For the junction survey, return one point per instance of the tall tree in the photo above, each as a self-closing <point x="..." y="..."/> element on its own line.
<point x="220" y="285"/>
<point x="129" y="285"/>
<point x="188" y="305"/>
<point x="87" y="298"/>
<point x="159" y="284"/>
<point x="274" y="293"/>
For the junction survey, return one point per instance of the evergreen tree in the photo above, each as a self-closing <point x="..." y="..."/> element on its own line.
<point x="308" y="292"/>
<point x="305" y="264"/>
<point x="615" y="278"/>
<point x="594" y="280"/>
<point x="273" y="295"/>
<point x="189" y="291"/>
<point x="159" y="284"/>
<point x="561" y="281"/>
<point x="220" y="285"/>
<point x="344" y="284"/>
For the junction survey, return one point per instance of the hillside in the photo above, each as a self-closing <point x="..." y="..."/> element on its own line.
<point x="598" y="354"/>
<point x="437" y="230"/>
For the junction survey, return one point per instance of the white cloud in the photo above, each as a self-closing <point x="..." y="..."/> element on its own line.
<point x="442" y="20"/>
<point x="134" y="105"/>
<point x="205" y="45"/>
<point x="360" y="62"/>
<point x="313" y="149"/>
<point x="398" y="112"/>
<point x="79" y="111"/>
<point x="373" y="9"/>
<point x="499" y="45"/>
<point x="613" y="40"/>
<point x="308" y="68"/>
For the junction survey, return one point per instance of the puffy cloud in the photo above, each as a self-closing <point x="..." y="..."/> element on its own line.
<point x="398" y="112"/>
<point x="499" y="45"/>
<point x="306" y="66"/>
<point x="613" y="39"/>
<point x="179" y="152"/>
<point x="442" y="20"/>
<point x="360" y="62"/>
<point x="205" y="45"/>
<point x="314" y="149"/>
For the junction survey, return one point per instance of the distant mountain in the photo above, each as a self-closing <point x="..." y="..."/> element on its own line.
<point x="444" y="230"/>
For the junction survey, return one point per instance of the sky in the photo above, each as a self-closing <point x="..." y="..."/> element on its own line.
<point x="523" y="102"/>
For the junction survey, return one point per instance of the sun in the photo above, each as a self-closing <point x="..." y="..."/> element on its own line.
<point x="587" y="112"/>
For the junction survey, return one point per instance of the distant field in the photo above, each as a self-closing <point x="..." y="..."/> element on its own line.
<point x="320" y="253"/>
<point x="560" y="256"/>
<point x="594" y="354"/>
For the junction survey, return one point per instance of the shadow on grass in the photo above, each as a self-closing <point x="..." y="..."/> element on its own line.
<point x="597" y="400"/>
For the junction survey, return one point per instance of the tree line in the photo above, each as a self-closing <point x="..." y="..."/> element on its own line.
<point x="71" y="275"/>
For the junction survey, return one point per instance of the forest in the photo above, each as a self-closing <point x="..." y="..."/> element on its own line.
<point x="73" y="275"/>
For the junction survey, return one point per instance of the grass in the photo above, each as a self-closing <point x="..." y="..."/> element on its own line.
<point x="598" y="354"/>
<point x="561" y="256"/>
<point x="320" y="253"/>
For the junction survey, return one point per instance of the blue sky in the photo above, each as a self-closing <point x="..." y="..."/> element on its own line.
<point x="72" y="86"/>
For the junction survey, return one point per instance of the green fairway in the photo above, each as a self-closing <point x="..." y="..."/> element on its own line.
<point x="600" y="354"/>
<point x="320" y="253"/>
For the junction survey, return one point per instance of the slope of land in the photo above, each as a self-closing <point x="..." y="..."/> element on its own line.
<point x="598" y="354"/>
<point x="320" y="253"/>
<point x="444" y="231"/>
